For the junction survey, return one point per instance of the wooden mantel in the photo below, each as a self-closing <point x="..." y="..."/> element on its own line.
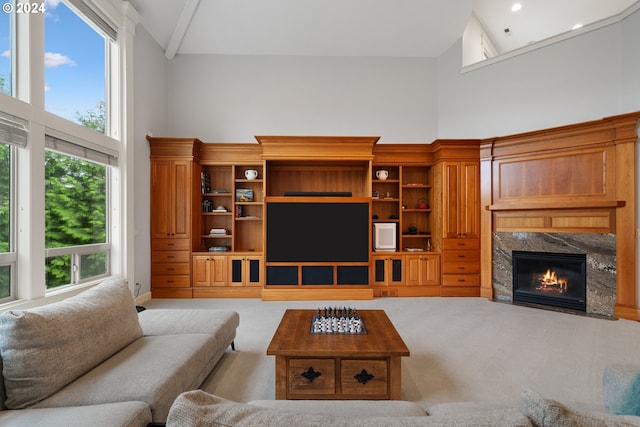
<point x="578" y="178"/>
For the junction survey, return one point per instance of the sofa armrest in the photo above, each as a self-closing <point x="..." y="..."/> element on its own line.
<point x="615" y="381"/>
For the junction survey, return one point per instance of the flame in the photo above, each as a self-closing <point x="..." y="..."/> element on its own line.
<point x="549" y="281"/>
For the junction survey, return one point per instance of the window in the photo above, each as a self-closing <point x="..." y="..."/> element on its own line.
<point x="6" y="31"/>
<point x="75" y="67"/>
<point x="6" y="215"/>
<point x="13" y="134"/>
<point x="47" y="155"/>
<point x="76" y="214"/>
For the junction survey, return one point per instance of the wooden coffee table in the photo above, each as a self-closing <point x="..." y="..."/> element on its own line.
<point x="337" y="366"/>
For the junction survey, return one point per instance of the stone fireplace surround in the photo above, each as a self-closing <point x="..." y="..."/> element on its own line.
<point x="600" y="249"/>
<point x="570" y="189"/>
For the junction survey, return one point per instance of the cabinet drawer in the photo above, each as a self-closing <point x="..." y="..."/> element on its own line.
<point x="461" y="280"/>
<point x="461" y="267"/>
<point x="170" y="244"/>
<point x="170" y="281"/>
<point x="170" y="256"/>
<point x="364" y="377"/>
<point x="311" y="376"/>
<point x="170" y="269"/>
<point x="455" y="256"/>
<point x="460" y="244"/>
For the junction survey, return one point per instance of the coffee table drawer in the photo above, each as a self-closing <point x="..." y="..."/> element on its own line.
<point x="311" y="376"/>
<point x="364" y="377"/>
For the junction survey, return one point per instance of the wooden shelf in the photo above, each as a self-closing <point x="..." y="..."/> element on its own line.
<point x="604" y="204"/>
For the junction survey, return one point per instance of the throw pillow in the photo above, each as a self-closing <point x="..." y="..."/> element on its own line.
<point x="45" y="348"/>
<point x="545" y="412"/>
<point x="629" y="403"/>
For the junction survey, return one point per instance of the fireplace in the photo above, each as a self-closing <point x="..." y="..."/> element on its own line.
<point x="551" y="279"/>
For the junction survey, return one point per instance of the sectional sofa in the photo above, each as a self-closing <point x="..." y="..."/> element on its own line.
<point x="93" y="360"/>
<point x="621" y="399"/>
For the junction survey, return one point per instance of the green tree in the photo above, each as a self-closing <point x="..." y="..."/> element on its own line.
<point x="5" y="192"/>
<point x="75" y="193"/>
<point x="94" y="119"/>
<point x="5" y="272"/>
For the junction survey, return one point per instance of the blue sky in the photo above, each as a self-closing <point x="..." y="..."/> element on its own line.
<point x="74" y="61"/>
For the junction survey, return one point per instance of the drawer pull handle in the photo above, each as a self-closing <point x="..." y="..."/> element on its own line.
<point x="461" y="280"/>
<point x="364" y="377"/>
<point x="311" y="374"/>
<point x="460" y="256"/>
<point x="170" y="256"/>
<point x="460" y="268"/>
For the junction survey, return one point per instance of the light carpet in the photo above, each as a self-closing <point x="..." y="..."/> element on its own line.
<point x="462" y="349"/>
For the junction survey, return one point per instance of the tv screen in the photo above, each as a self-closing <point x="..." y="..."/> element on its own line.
<point x="317" y="232"/>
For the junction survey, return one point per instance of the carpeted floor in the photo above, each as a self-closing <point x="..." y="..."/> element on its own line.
<point x="462" y="349"/>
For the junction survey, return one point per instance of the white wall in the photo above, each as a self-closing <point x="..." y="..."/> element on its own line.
<point x="630" y="59"/>
<point x="233" y="98"/>
<point x="572" y="81"/>
<point x="150" y="114"/>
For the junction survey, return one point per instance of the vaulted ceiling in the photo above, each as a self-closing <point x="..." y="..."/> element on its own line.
<point x="400" y="28"/>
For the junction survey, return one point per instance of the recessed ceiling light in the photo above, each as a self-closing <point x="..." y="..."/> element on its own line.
<point x="575" y="27"/>
<point x="516" y="7"/>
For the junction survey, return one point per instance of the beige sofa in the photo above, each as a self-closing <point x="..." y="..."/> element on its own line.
<point x="621" y="395"/>
<point x="92" y="360"/>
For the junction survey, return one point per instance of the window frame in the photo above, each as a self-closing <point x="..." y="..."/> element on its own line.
<point x="10" y="259"/>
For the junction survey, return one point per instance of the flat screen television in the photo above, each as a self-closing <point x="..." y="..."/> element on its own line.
<point x="317" y="232"/>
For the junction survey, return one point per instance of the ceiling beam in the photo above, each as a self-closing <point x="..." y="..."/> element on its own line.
<point x="181" y="28"/>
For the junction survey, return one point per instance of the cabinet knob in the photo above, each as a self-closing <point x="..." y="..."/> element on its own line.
<point x="363" y="377"/>
<point x="311" y="374"/>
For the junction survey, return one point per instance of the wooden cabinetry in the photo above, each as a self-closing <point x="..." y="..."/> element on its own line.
<point x="461" y="198"/>
<point x="209" y="203"/>
<point x="173" y="198"/>
<point x="245" y="270"/>
<point x="209" y="270"/>
<point x="387" y="270"/>
<point x="457" y="177"/>
<point x="422" y="270"/>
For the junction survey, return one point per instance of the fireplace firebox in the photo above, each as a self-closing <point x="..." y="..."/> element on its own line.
<point x="551" y="279"/>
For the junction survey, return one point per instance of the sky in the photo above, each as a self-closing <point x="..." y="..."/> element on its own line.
<point x="74" y="61"/>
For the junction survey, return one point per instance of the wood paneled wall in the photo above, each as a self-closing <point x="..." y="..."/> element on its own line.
<point x="576" y="179"/>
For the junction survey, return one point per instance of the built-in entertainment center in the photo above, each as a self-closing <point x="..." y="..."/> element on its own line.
<point x="296" y="217"/>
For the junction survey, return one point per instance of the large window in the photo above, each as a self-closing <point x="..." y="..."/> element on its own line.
<point x="75" y="67"/>
<point x="76" y="217"/>
<point x="58" y="175"/>
<point x="6" y="31"/>
<point x="6" y="215"/>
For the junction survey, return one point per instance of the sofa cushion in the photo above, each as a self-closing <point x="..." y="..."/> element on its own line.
<point x="197" y="408"/>
<point x="616" y="380"/>
<point x="45" y="348"/>
<point x="219" y="323"/>
<point x="622" y="389"/>
<point x="126" y="414"/>
<point x="545" y="412"/>
<point x="154" y="370"/>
